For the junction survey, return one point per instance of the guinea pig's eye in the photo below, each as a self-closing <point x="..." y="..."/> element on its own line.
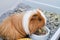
<point x="39" y="19"/>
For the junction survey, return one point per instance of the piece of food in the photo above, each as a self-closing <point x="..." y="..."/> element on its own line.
<point x="25" y="39"/>
<point x="41" y="31"/>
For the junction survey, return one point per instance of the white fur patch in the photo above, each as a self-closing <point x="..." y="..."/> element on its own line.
<point x="25" y="20"/>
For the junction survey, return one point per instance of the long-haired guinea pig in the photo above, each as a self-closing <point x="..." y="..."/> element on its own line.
<point x="19" y="25"/>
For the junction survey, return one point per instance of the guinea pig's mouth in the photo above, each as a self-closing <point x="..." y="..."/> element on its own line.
<point x="41" y="31"/>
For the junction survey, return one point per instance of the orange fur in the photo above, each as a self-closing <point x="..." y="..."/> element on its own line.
<point x="11" y="28"/>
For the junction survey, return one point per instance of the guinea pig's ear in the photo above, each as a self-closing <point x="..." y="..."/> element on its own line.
<point x="34" y="17"/>
<point x="38" y="9"/>
<point x="42" y="17"/>
<point x="38" y="12"/>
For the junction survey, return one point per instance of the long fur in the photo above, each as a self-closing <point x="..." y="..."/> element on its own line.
<point x="12" y="28"/>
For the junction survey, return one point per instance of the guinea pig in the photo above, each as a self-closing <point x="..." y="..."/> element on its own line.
<point x="19" y="25"/>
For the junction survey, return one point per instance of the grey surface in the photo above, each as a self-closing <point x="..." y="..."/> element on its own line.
<point x="50" y="2"/>
<point x="1" y="39"/>
<point x="45" y="5"/>
<point x="6" y="5"/>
